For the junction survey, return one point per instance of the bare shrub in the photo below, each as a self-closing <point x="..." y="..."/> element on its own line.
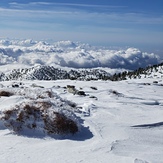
<point x="38" y="116"/>
<point x="7" y="114"/>
<point x="46" y="94"/>
<point x="49" y="93"/>
<point x="60" y="125"/>
<point x="9" y="120"/>
<point x="19" y="118"/>
<point x="43" y="105"/>
<point x="65" y="125"/>
<point x="5" y="93"/>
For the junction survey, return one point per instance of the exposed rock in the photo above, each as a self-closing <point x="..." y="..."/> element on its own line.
<point x="71" y="89"/>
<point x="81" y="93"/>
<point x="94" y="88"/>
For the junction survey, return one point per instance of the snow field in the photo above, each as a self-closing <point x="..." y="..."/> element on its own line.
<point x="107" y="133"/>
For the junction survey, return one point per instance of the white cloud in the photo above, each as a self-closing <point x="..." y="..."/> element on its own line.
<point x="19" y="5"/>
<point x="62" y="9"/>
<point x="72" y="54"/>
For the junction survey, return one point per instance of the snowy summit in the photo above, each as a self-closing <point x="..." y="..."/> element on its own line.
<point x="81" y="81"/>
<point x="72" y="102"/>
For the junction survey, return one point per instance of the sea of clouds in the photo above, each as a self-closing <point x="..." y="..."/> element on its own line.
<point x="70" y="54"/>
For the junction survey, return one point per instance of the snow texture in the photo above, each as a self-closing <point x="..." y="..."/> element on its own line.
<point x="122" y="124"/>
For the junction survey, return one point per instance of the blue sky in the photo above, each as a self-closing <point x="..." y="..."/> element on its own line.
<point x="136" y="23"/>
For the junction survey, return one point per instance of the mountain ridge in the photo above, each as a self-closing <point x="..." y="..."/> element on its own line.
<point x="42" y="72"/>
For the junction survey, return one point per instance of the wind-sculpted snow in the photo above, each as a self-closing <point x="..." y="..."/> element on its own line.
<point x="119" y="122"/>
<point x="70" y="54"/>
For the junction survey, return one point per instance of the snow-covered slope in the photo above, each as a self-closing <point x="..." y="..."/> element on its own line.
<point x="70" y="54"/>
<point x="121" y="123"/>
<point x="87" y="119"/>
<point x="154" y="71"/>
<point x="51" y="73"/>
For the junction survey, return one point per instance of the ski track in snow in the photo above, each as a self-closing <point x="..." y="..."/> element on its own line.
<point x="123" y="125"/>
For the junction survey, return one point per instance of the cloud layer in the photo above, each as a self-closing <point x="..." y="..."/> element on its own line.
<point x="70" y="54"/>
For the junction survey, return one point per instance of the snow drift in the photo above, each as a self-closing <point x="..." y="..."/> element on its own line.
<point x="70" y="54"/>
<point x="122" y="124"/>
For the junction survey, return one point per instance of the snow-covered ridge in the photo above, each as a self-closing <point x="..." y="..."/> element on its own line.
<point x="155" y="71"/>
<point x="52" y="73"/>
<point x="72" y="54"/>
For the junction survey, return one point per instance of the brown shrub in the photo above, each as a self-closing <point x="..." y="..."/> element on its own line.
<point x="61" y="125"/>
<point x="38" y="116"/>
<point x="65" y="125"/>
<point x="5" y="93"/>
<point x="7" y="114"/>
<point x="49" y="93"/>
<point x="43" y="105"/>
<point x="20" y="117"/>
<point x="46" y="94"/>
